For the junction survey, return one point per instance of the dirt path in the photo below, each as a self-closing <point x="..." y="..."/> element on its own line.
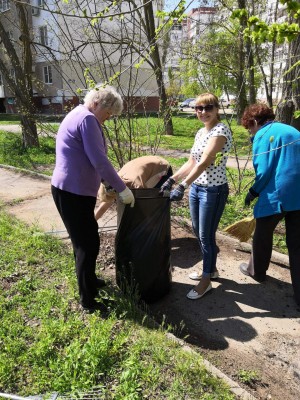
<point x="241" y="325"/>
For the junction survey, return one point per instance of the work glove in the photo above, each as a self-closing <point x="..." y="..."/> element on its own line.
<point x="177" y="193"/>
<point x="127" y="197"/>
<point x="166" y="187"/>
<point x="251" y="195"/>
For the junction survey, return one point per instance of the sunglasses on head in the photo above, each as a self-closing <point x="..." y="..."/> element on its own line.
<point x="209" y="107"/>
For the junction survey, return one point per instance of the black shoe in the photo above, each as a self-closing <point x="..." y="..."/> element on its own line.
<point x="100" y="283"/>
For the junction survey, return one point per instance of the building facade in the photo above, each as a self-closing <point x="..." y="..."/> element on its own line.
<point x="73" y="45"/>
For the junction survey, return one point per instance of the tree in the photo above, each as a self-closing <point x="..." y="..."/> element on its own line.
<point x="16" y="68"/>
<point x="291" y="90"/>
<point x="288" y="31"/>
<point x="107" y="29"/>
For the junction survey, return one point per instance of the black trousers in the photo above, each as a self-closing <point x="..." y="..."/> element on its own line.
<point x="77" y="213"/>
<point x="263" y="242"/>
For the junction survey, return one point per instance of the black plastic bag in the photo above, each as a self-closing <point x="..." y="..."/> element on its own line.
<point x="143" y="246"/>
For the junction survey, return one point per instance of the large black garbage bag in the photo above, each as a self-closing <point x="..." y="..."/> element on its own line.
<point x="143" y="246"/>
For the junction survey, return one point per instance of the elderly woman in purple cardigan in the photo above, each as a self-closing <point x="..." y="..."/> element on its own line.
<point x="81" y="165"/>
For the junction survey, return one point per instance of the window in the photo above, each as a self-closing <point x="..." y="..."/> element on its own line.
<point x="43" y="35"/>
<point x="47" y="74"/>
<point x="4" y="5"/>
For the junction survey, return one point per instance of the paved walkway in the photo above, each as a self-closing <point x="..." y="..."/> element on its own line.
<point x="28" y="197"/>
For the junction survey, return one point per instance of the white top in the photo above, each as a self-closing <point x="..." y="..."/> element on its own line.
<point x="215" y="173"/>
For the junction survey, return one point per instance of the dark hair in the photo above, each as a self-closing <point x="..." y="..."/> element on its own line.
<point x="258" y="112"/>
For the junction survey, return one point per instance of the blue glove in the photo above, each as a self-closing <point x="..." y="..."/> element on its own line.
<point x="177" y="193"/>
<point x="167" y="186"/>
<point x="251" y="195"/>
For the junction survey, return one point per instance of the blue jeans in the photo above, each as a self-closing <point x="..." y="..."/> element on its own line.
<point x="206" y="208"/>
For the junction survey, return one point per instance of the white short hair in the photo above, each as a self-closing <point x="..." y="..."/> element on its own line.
<point x="107" y="97"/>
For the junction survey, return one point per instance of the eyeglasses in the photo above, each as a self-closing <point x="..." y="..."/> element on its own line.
<point x="209" y="107"/>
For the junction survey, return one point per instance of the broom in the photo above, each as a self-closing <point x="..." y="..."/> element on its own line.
<point x="242" y="229"/>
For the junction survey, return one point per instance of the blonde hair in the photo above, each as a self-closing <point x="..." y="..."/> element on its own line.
<point x="208" y="98"/>
<point x="107" y="97"/>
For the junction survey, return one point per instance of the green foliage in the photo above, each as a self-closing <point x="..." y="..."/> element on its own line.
<point x="292" y="6"/>
<point x="262" y="32"/>
<point x="211" y="63"/>
<point x="48" y="345"/>
<point x="248" y="377"/>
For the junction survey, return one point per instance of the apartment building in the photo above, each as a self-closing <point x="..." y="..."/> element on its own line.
<point x="72" y="47"/>
<point x="189" y="30"/>
<point x="198" y="21"/>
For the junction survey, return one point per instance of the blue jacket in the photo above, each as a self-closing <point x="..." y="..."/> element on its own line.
<point x="276" y="160"/>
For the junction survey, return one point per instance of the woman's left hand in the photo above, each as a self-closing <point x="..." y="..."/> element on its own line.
<point x="177" y="193"/>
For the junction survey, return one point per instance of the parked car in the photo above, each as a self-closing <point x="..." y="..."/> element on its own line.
<point x="192" y="103"/>
<point x="186" y="103"/>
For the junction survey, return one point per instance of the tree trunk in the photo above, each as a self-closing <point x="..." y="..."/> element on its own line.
<point x="252" y="89"/>
<point x="242" y="103"/>
<point x="291" y="87"/>
<point x="28" y="123"/>
<point x="29" y="131"/>
<point x="164" y="108"/>
<point x="20" y="60"/>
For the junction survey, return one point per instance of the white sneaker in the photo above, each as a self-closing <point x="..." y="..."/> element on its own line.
<point x="196" y="277"/>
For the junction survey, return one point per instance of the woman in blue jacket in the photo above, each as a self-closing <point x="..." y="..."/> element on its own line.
<point x="276" y="160"/>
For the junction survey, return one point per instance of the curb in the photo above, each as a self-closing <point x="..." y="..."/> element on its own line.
<point x="237" y="390"/>
<point x="276" y="257"/>
<point x="26" y="172"/>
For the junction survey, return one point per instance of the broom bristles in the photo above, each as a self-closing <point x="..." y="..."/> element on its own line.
<point x="242" y="229"/>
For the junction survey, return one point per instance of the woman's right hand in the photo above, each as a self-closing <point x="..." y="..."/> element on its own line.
<point x="127" y="197"/>
<point x="167" y="186"/>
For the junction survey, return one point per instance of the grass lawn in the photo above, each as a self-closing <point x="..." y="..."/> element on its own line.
<point x="42" y="159"/>
<point x="48" y="345"/>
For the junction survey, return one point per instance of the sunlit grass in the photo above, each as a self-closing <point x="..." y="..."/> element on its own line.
<point x="49" y="345"/>
<point x="42" y="159"/>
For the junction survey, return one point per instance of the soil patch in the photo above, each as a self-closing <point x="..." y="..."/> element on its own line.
<point x="250" y="331"/>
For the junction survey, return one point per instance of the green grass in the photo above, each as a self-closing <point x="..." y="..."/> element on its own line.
<point x="39" y="159"/>
<point x="185" y="127"/>
<point x="42" y="160"/>
<point x="48" y="345"/>
<point x="7" y="119"/>
<point x="248" y="377"/>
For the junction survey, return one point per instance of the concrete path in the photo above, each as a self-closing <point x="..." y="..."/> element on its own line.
<point x="28" y="197"/>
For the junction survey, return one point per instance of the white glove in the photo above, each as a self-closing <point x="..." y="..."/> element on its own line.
<point x="127" y="197"/>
